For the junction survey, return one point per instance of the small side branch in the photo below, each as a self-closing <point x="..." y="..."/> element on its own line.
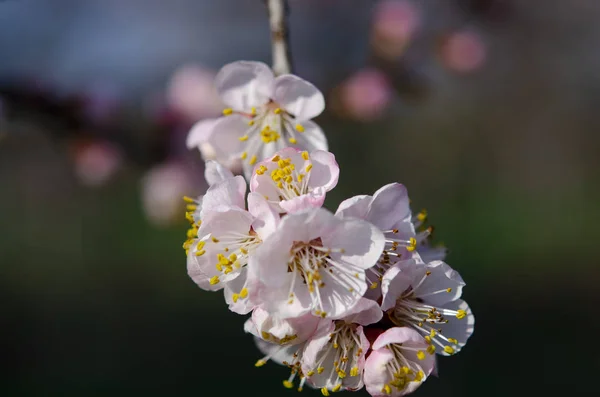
<point x="282" y="61"/>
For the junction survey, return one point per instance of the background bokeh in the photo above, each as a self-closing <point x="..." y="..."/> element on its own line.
<point x="487" y="110"/>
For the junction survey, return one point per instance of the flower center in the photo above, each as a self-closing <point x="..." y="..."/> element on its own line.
<point x="309" y="263"/>
<point x="401" y="370"/>
<point x="411" y="310"/>
<point x="235" y="251"/>
<point x="289" y="181"/>
<point x="341" y="354"/>
<point x="266" y="125"/>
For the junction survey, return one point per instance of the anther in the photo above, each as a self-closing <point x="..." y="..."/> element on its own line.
<point x="227" y="111"/>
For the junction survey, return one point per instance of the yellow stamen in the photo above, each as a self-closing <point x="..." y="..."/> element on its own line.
<point x="299" y="128"/>
<point x="448" y="349"/>
<point x="227" y="111"/>
<point x="305" y="155"/>
<point x="214" y="280"/>
<point x="287" y="384"/>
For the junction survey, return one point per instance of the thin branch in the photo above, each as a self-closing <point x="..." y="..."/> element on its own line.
<point x="282" y="60"/>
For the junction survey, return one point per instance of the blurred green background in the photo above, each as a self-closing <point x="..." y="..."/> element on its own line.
<point x="503" y="154"/>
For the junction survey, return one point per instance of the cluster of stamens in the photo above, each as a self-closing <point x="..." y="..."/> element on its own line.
<point x="289" y="181"/>
<point x="401" y="370"/>
<point x="307" y="262"/>
<point x="410" y="310"/>
<point x="235" y="252"/>
<point x="345" y="344"/>
<point x="192" y="233"/>
<point x="294" y="366"/>
<point x="266" y="124"/>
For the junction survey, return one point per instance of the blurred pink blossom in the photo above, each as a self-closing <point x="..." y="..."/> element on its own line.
<point x="463" y="52"/>
<point x="394" y="24"/>
<point x="192" y="94"/>
<point x="366" y="94"/>
<point x="163" y="188"/>
<point x="96" y="162"/>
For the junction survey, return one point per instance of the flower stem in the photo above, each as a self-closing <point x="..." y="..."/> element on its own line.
<point x="282" y="60"/>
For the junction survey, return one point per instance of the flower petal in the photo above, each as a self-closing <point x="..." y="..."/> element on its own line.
<point x="365" y="312"/>
<point x="389" y="207"/>
<point x="376" y="374"/>
<point x="279" y="354"/>
<point x="298" y="97"/>
<point x="224" y="195"/>
<point x="357" y="207"/>
<point x="272" y="328"/>
<point x="234" y="287"/>
<point x="202" y="268"/>
<point x="395" y="282"/>
<point x="399" y="335"/>
<point x="302" y="203"/>
<point x="200" y="133"/>
<point x="312" y="138"/>
<point x="244" y="84"/>
<point x="225" y="138"/>
<point x="458" y="329"/>
<point x="325" y="170"/>
<point x="214" y="172"/>
<point x="362" y="243"/>
<point x="441" y="286"/>
<point x="266" y="219"/>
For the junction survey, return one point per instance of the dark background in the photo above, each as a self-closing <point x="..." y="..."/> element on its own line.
<point x="505" y="156"/>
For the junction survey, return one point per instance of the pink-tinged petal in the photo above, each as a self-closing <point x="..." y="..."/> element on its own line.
<point x="412" y="347"/>
<point x="266" y="219"/>
<point x="341" y="291"/>
<point x="298" y="97"/>
<point x="395" y="282"/>
<point x="310" y="357"/>
<point x="362" y="243"/>
<point x="302" y="203"/>
<point x="272" y="328"/>
<point x="201" y="268"/>
<point x="402" y="335"/>
<point x="441" y="286"/>
<point x="215" y="172"/>
<point x="221" y="224"/>
<point x="356" y="207"/>
<point x="460" y="329"/>
<point x="376" y="374"/>
<point x="389" y="206"/>
<point x="244" y="84"/>
<point x="312" y="138"/>
<point x="200" y="133"/>
<point x="364" y="312"/>
<point x="233" y="287"/>
<point x="277" y="353"/>
<point x="325" y="170"/>
<point x="225" y="137"/>
<point x="224" y="195"/>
